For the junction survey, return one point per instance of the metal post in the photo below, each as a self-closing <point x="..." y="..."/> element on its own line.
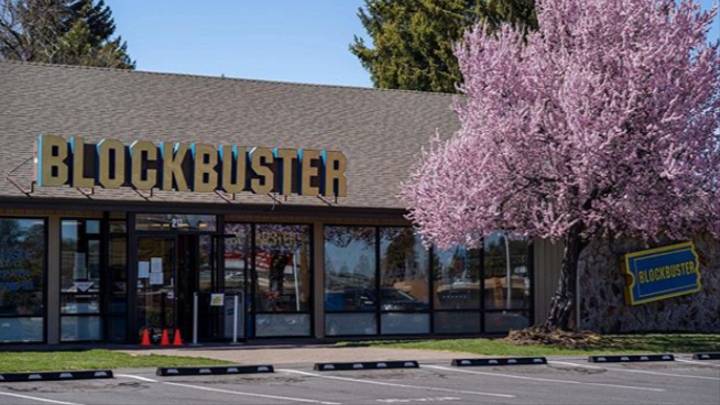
<point x="236" y="302"/>
<point x="508" y="273"/>
<point x="195" y="316"/>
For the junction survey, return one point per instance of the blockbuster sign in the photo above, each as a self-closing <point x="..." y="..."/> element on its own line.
<point x="661" y="273"/>
<point x="193" y="167"/>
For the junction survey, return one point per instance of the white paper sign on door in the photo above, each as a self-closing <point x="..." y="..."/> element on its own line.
<point x="217" y="299"/>
<point x="156" y="278"/>
<point x="143" y="269"/>
<point x="156" y="264"/>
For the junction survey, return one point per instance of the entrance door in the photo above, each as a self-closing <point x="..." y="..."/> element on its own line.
<point x="172" y="270"/>
<point x="197" y="275"/>
<point x="156" y="299"/>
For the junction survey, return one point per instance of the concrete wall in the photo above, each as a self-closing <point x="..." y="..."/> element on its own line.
<point x="603" y="304"/>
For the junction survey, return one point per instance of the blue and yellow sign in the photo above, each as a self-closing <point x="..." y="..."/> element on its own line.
<point x="661" y="273"/>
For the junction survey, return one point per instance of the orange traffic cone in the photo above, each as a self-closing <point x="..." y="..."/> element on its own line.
<point x="177" y="338"/>
<point x="145" y="340"/>
<point x="165" y="339"/>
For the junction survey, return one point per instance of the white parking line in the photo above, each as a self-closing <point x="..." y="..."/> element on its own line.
<point x="251" y="394"/>
<point x="388" y="384"/>
<point x="28" y="397"/>
<point x="627" y="370"/>
<point x="698" y="362"/>
<point x="224" y="391"/>
<point x="137" y="377"/>
<point x="550" y="380"/>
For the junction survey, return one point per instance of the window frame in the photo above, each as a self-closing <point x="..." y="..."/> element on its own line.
<point x="44" y="312"/>
<point x="481" y="311"/>
<point x="103" y="238"/>
<point x="251" y="280"/>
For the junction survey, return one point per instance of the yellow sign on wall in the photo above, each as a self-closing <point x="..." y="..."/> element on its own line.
<point x="661" y="273"/>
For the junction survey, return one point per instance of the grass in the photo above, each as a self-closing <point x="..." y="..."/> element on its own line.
<point x="608" y="344"/>
<point x="92" y="359"/>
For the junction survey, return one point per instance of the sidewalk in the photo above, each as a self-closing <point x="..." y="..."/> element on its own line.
<point x="295" y="354"/>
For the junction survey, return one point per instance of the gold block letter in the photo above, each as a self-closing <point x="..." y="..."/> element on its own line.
<point x="51" y="169"/>
<point x="205" y="157"/>
<point x="335" y="164"/>
<point x="78" y="151"/>
<point x="104" y="150"/>
<point x="262" y="182"/>
<point x="308" y="171"/>
<point x="173" y="156"/>
<point x="235" y="158"/>
<point x="288" y="157"/>
<point x="137" y="150"/>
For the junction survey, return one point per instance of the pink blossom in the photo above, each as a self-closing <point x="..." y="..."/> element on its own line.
<point x="608" y="116"/>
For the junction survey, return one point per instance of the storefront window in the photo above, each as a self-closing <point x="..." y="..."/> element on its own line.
<point x="506" y="282"/>
<point x="283" y="271"/>
<point x="117" y="266"/>
<point x="403" y="282"/>
<point x="177" y="222"/>
<point x="80" y="280"/>
<point x="457" y="278"/>
<point x="22" y="268"/>
<point x="456" y="290"/>
<point x="350" y="280"/>
<point x="237" y="256"/>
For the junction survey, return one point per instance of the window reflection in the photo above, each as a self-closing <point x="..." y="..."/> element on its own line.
<point x="282" y="264"/>
<point x="507" y="279"/>
<point x="22" y="267"/>
<point x="117" y="269"/>
<point x="403" y="271"/>
<point x="80" y="279"/>
<point x="457" y="278"/>
<point x="237" y="256"/>
<point x="350" y="268"/>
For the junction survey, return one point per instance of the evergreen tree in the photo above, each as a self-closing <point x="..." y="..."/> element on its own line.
<point x="75" y="32"/>
<point x="413" y="39"/>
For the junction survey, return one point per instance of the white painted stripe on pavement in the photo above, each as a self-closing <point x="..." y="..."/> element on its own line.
<point x="136" y="377"/>
<point x="224" y="391"/>
<point x="30" y="398"/>
<point x="702" y="363"/>
<point x="389" y="384"/>
<point x="548" y="380"/>
<point x="251" y="394"/>
<point x="627" y="370"/>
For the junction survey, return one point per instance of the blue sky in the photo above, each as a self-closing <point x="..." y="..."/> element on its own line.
<point x="288" y="40"/>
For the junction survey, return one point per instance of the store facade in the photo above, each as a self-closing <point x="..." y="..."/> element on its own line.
<point x="131" y="202"/>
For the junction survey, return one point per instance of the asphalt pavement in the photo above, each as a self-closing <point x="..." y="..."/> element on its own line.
<point x="561" y="381"/>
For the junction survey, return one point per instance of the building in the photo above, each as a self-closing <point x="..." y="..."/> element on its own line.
<point x="134" y="201"/>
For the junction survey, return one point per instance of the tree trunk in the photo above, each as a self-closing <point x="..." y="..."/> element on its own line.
<point x="562" y="306"/>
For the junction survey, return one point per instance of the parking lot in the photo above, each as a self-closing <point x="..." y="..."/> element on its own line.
<point x="562" y="381"/>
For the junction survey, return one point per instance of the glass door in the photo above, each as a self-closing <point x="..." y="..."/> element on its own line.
<point x="156" y="301"/>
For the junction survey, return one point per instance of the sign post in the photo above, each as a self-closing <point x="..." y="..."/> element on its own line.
<point x="235" y="318"/>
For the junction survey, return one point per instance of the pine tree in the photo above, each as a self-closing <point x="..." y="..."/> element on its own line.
<point x="413" y="39"/>
<point x="75" y="32"/>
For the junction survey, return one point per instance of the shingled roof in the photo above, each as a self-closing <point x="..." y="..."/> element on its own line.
<point x="380" y="131"/>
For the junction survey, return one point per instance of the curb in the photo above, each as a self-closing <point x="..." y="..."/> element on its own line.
<point x="366" y="365"/>
<point x="631" y="358"/>
<point x="499" y="361"/>
<point x="706" y="356"/>
<point x="222" y="370"/>
<point x="56" y="375"/>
